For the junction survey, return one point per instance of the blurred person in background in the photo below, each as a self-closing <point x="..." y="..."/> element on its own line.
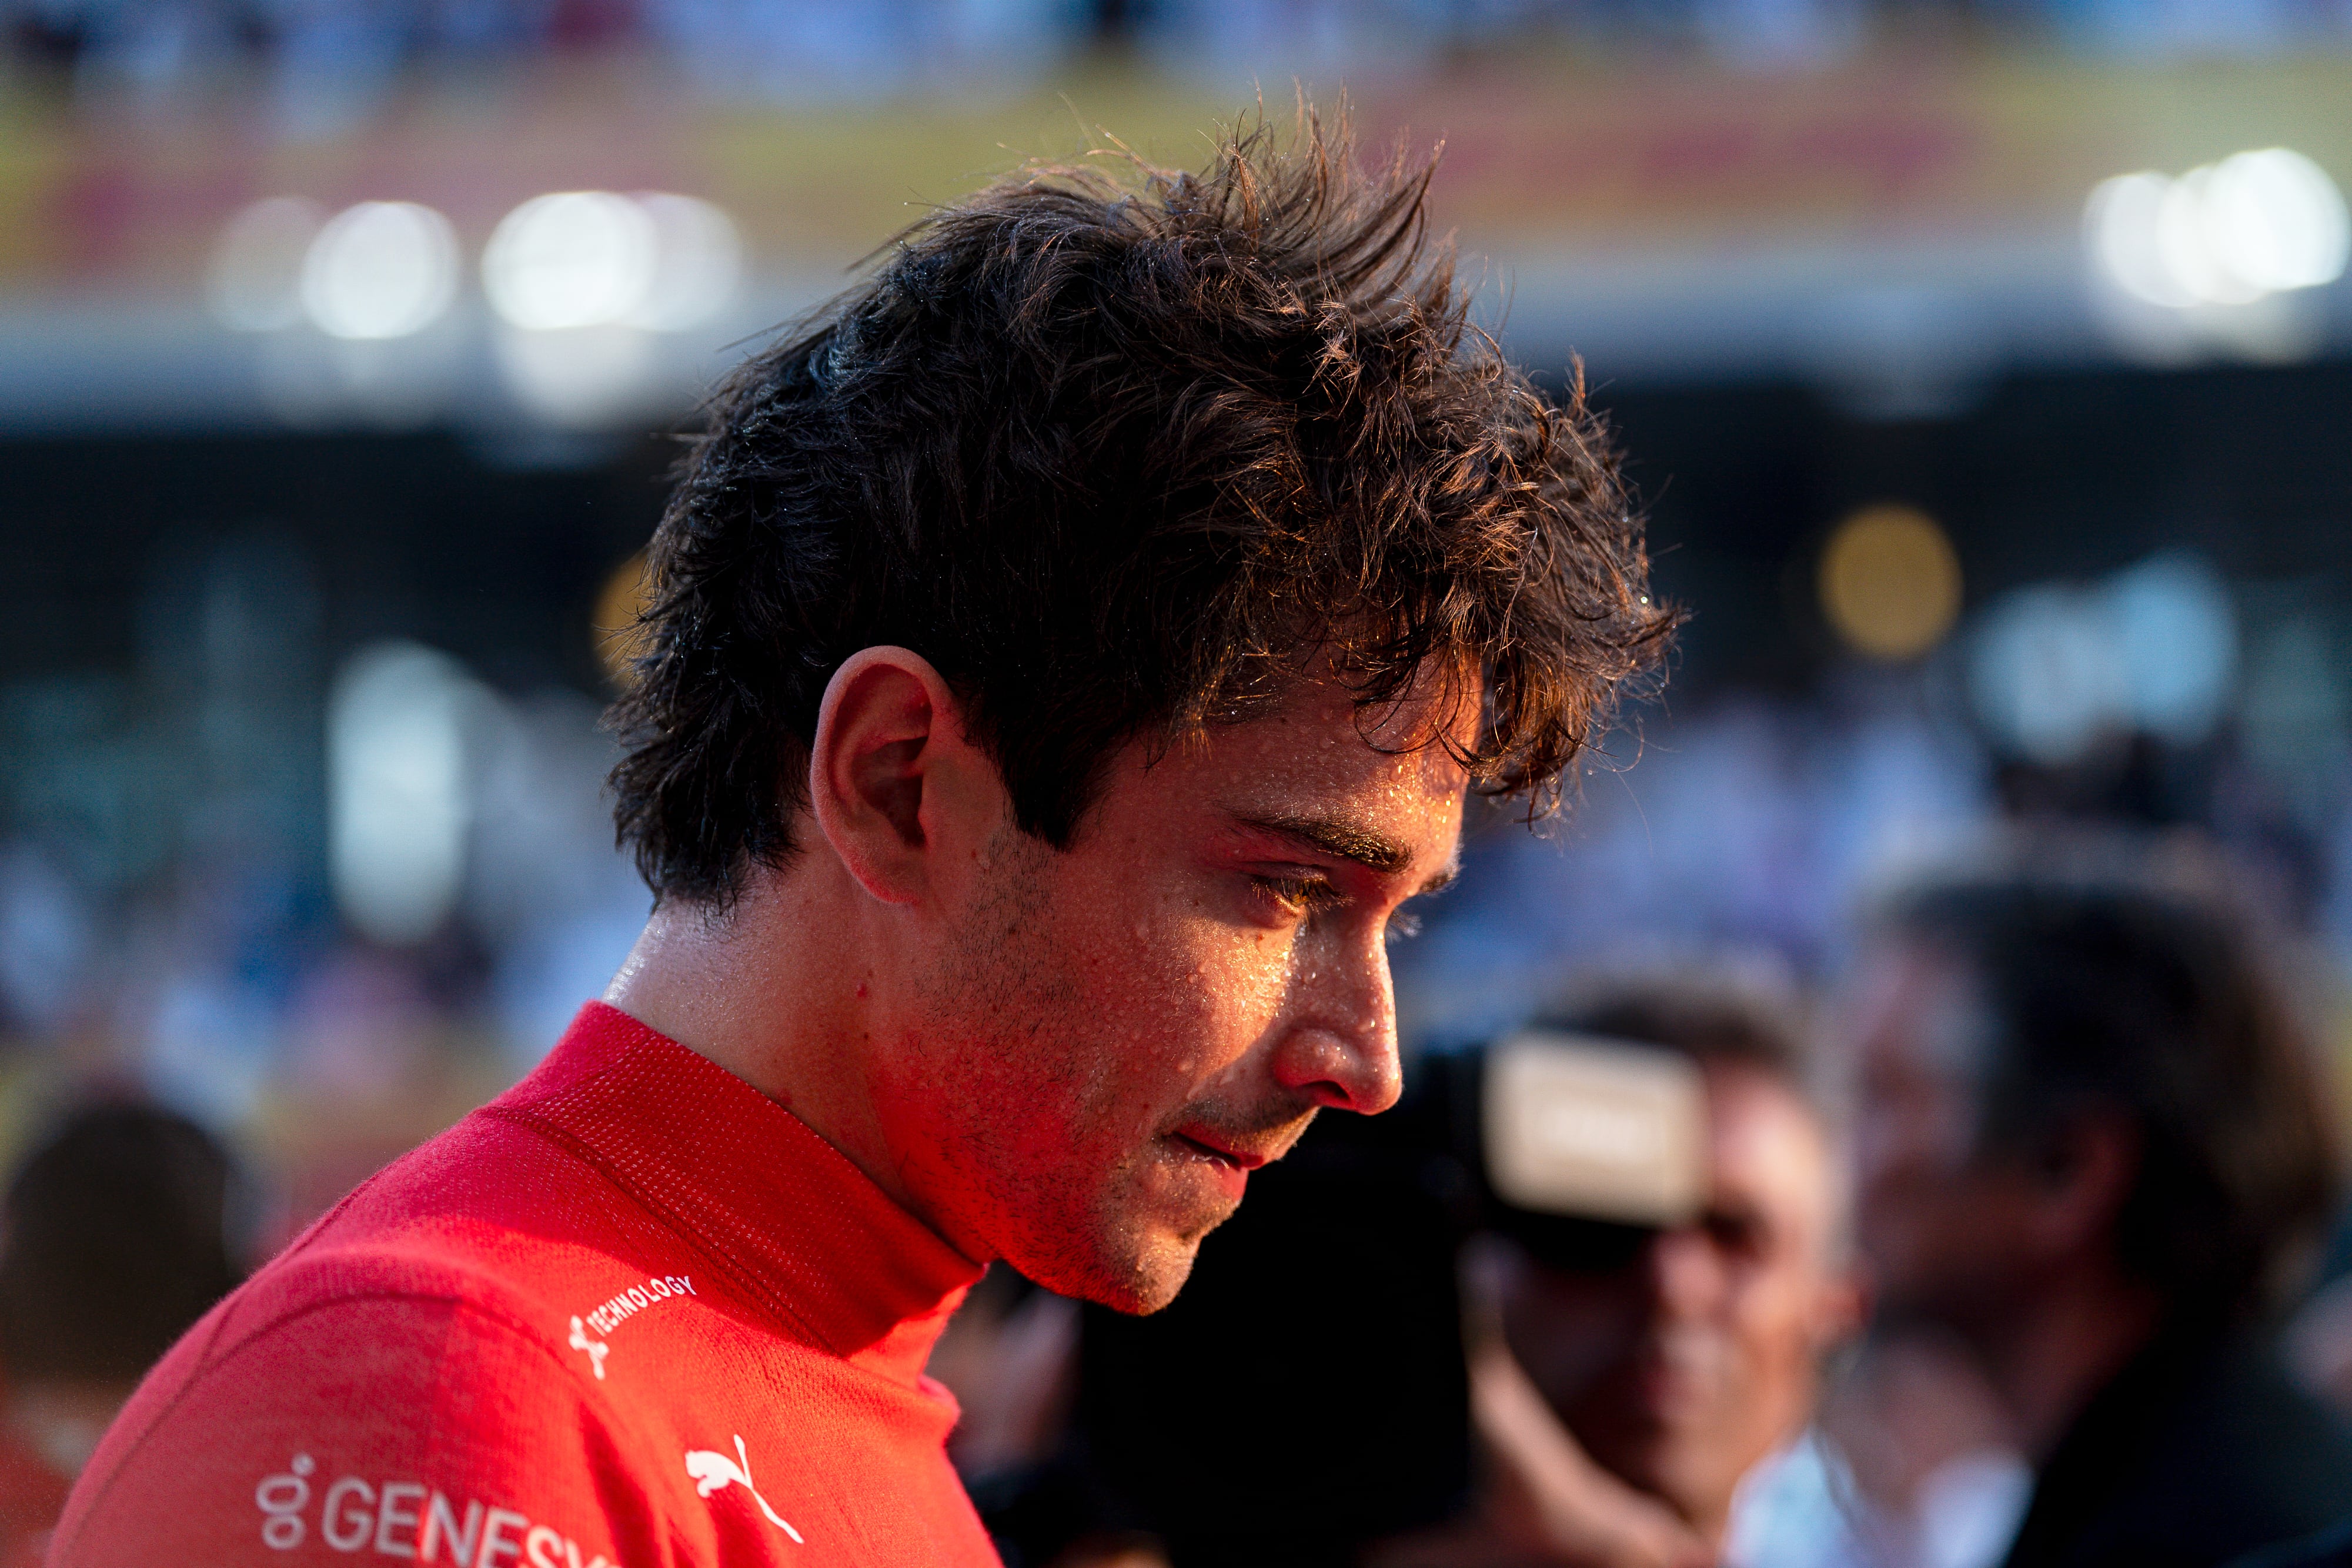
<point x="2318" y="1341"/>
<point x="1678" y="1359"/>
<point x="2093" y="1149"/>
<point x="1069" y="651"/>
<point x="116" y="1240"/>
<point x="1913" y="1467"/>
<point x="1622" y="1379"/>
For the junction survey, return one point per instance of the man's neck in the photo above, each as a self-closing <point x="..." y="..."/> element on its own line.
<point x="1711" y="1524"/>
<point x="764" y="993"/>
<point x="2048" y="1361"/>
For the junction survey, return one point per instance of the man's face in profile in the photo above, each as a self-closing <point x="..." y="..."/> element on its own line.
<point x="1682" y="1368"/>
<point x="1942" y="1225"/>
<point x="1114" y="1034"/>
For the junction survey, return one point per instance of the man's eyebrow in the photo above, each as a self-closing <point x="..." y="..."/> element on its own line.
<point x="1347" y="840"/>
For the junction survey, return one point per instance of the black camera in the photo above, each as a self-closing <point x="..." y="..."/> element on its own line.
<point x="1306" y="1396"/>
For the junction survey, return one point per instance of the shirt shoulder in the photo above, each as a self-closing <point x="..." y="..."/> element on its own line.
<point x="491" y="1354"/>
<point x="404" y="1425"/>
<point x="423" y="1351"/>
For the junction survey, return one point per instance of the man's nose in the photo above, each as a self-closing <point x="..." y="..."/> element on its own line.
<point x="1341" y="1048"/>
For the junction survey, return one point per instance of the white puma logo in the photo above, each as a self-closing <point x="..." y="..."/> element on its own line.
<point x="715" y="1472"/>
<point x="596" y="1348"/>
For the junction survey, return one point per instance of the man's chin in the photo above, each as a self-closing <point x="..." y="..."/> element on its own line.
<point x="1133" y="1249"/>
<point x="1138" y="1281"/>
<point x="1145" y="1296"/>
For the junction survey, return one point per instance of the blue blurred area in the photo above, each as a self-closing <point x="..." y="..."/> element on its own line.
<point x="2156" y="629"/>
<point x="191" y="896"/>
<point x="324" y="55"/>
<point x="310" y="619"/>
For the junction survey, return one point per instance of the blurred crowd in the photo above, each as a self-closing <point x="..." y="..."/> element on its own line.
<point x="2012" y="1248"/>
<point x="1998" y="975"/>
<point x="123" y="1226"/>
<point x="2019" y="1241"/>
<point x="2012" y="1230"/>
<point x="794" y="49"/>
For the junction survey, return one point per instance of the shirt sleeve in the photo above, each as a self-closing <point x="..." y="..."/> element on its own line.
<point x="392" y="1427"/>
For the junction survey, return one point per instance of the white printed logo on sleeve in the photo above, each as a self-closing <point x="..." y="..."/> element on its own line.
<point x="610" y="1315"/>
<point x="715" y="1472"/>
<point x="596" y="1348"/>
<point x="407" y="1519"/>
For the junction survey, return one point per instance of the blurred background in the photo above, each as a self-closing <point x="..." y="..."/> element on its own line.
<point x="1986" y="365"/>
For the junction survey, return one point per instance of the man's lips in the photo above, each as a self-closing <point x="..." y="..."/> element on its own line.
<point x="1224" y="1153"/>
<point x="1228" y="1167"/>
<point x="1227" y="1151"/>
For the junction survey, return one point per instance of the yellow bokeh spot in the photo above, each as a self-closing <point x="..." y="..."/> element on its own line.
<point x="626" y="596"/>
<point x="1890" y="582"/>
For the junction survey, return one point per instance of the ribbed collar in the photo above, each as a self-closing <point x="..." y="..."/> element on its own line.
<point x="780" y="1211"/>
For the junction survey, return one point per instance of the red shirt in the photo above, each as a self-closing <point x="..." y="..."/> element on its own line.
<point x="632" y="1313"/>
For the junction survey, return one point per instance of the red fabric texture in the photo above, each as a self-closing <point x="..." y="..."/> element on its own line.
<point x="632" y="1313"/>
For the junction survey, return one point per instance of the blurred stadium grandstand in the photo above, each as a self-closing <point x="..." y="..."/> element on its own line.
<point x="1987" y="368"/>
<point x="1888" y="201"/>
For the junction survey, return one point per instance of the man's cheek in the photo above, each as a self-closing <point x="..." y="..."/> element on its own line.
<point x="1244" y="980"/>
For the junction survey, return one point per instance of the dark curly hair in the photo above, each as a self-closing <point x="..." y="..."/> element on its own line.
<point x="1115" y="449"/>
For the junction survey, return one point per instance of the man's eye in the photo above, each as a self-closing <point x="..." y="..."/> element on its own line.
<point x="1404" y="927"/>
<point x="1737" y="1233"/>
<point x="1299" y="894"/>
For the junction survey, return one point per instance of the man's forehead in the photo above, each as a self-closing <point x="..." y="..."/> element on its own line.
<point x="1750" y="1099"/>
<point x="1770" y="1143"/>
<point x="1318" y="772"/>
<point x="1320" y="737"/>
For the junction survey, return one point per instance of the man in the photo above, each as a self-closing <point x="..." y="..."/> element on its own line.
<point x="2091" y="1146"/>
<point x="1678" y="1358"/>
<point x="1069" y="653"/>
<point x="116" y="1240"/>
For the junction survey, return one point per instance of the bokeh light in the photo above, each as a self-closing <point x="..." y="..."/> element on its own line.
<point x="2045" y="674"/>
<point x="625" y="597"/>
<point x="1890" y="582"/>
<point x="2254" y="224"/>
<point x="2177" y="630"/>
<point x="398" y="798"/>
<point x="575" y="258"/>
<point x="697" y="262"/>
<point x="2278" y="222"/>
<point x="2056" y="669"/>
<point x="2120" y="224"/>
<point x="594" y="258"/>
<point x="380" y="269"/>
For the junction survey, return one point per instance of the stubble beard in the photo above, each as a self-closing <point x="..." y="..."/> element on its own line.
<point x="1152" y="1256"/>
<point x="1124" y="1259"/>
<point x="1086" y="1233"/>
<point x="1102" y="1235"/>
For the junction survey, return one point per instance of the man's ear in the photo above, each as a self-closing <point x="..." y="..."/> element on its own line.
<point x="891" y="770"/>
<point x="2086" y="1172"/>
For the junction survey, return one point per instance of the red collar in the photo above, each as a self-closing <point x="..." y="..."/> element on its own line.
<point x="781" y="1212"/>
